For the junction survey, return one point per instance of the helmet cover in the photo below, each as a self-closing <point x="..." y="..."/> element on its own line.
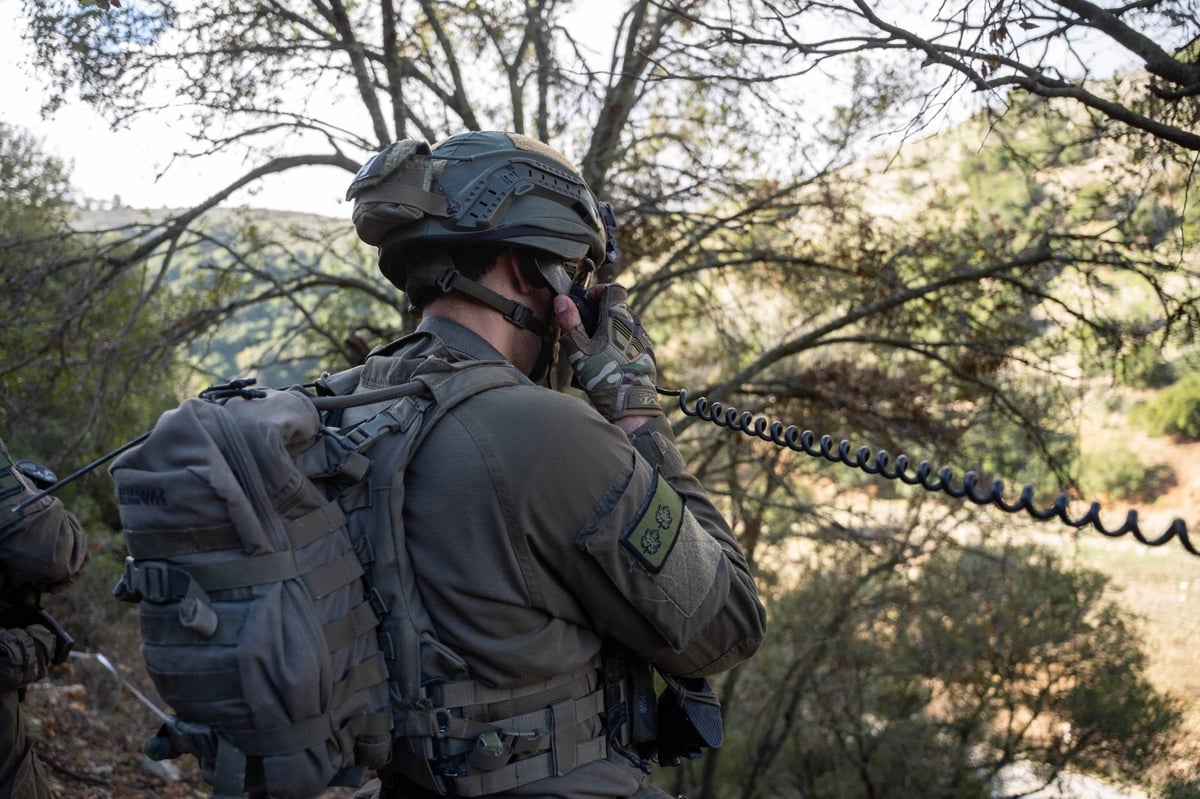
<point x="480" y="187"/>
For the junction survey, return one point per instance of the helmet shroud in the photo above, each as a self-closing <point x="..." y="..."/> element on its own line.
<point x="471" y="192"/>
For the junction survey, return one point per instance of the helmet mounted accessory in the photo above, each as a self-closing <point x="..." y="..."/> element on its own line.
<point x="419" y="204"/>
<point x="393" y="188"/>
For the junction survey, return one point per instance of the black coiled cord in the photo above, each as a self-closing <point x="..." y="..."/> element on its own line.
<point x="881" y="464"/>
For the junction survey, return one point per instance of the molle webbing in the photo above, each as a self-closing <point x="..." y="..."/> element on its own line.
<point x="250" y="586"/>
<point x="478" y="755"/>
<point x="450" y="737"/>
<point x="549" y="736"/>
<point x="158" y="581"/>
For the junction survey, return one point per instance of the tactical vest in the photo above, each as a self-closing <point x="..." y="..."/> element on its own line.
<point x="279" y="613"/>
<point x="448" y="737"/>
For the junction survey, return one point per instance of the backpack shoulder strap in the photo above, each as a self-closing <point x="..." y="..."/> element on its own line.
<point x="435" y="702"/>
<point x="333" y="384"/>
<point x="451" y="383"/>
<point x="438" y="387"/>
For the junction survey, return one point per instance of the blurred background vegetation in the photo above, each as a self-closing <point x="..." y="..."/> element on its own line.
<point x="1010" y="289"/>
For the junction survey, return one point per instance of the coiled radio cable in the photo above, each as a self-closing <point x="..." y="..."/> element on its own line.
<point x="942" y="480"/>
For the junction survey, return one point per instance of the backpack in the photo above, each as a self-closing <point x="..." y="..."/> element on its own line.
<point x="254" y="532"/>
<point x="254" y="621"/>
<point x="257" y="626"/>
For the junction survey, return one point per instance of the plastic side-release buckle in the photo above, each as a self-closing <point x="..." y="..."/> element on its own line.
<point x="155" y="579"/>
<point x="446" y="280"/>
<point x="397" y="418"/>
<point x="148" y="580"/>
<point x="521" y="316"/>
<point x="124" y="589"/>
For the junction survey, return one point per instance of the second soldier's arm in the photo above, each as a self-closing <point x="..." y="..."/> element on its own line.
<point x="43" y="546"/>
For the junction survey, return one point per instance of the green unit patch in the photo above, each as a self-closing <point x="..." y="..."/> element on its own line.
<point x="652" y="536"/>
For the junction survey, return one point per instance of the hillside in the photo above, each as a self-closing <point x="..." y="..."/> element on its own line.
<point x="91" y="728"/>
<point x="104" y="216"/>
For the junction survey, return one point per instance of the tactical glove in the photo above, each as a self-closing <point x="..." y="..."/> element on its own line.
<point x="615" y="365"/>
<point x="25" y="655"/>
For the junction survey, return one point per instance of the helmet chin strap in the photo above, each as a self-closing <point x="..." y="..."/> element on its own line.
<point x="552" y="275"/>
<point x="541" y="369"/>
<point x="448" y="279"/>
<point x="441" y="272"/>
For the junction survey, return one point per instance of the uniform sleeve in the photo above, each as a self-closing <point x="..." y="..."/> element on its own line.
<point x="651" y="560"/>
<point x="44" y="547"/>
<point x="671" y="555"/>
<point x="738" y="626"/>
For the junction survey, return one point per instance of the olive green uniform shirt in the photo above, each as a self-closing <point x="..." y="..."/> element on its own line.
<point x="538" y="530"/>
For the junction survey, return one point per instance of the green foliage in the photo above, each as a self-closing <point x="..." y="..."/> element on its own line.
<point x="946" y="331"/>
<point x="33" y="189"/>
<point x="289" y="292"/>
<point x="899" y="678"/>
<point x="1174" y="411"/>
<point x="1117" y="472"/>
<point x="1186" y="786"/>
<point x="1128" y="340"/>
<point x="1039" y="446"/>
<point x="1142" y="365"/>
<point x="81" y="370"/>
<point x="1150" y="223"/>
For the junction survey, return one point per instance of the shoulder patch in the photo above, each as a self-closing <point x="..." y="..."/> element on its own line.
<point x="652" y="536"/>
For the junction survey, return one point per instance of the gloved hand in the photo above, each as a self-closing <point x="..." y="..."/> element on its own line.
<point x="47" y="647"/>
<point x="25" y="655"/>
<point x="615" y="365"/>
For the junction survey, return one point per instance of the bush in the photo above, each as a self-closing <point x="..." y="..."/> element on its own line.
<point x="1117" y="472"/>
<point x="1174" y="411"/>
<point x="1142" y="366"/>
<point x="1185" y="786"/>
<point x="900" y="679"/>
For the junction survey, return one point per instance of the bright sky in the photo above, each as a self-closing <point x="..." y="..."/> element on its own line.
<point x="106" y="162"/>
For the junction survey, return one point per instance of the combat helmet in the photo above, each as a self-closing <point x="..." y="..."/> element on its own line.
<point x="475" y="188"/>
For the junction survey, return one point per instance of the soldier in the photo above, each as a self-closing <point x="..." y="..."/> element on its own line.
<point x="41" y="549"/>
<point x="558" y="546"/>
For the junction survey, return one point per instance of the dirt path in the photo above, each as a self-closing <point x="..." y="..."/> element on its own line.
<point x="1182" y="500"/>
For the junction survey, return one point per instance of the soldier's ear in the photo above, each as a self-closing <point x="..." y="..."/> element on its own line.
<point x="510" y="261"/>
